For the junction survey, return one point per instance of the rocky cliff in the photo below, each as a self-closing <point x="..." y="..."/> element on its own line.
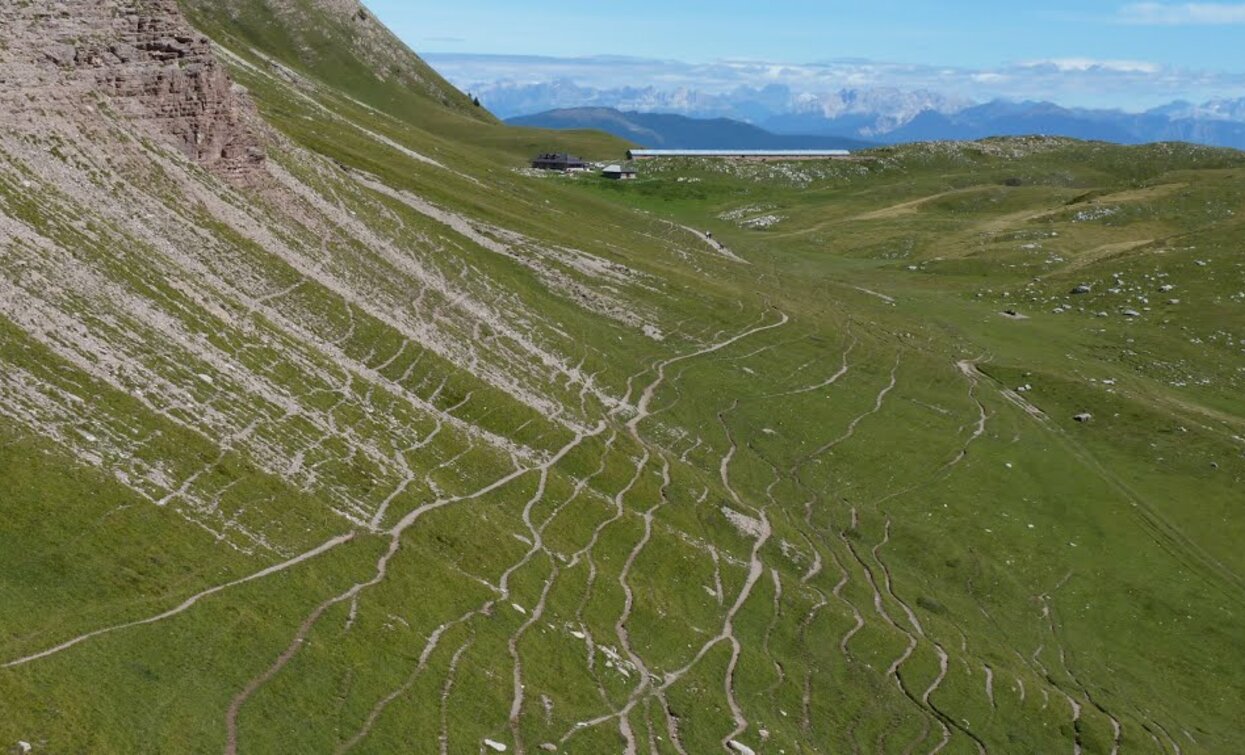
<point x="139" y="58"/>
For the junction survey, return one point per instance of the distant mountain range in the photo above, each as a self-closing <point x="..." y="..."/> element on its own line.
<point x="1001" y="118"/>
<point x="881" y="115"/>
<point x="875" y="110"/>
<point x="669" y="131"/>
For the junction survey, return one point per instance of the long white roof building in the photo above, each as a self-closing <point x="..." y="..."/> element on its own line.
<point x="802" y="154"/>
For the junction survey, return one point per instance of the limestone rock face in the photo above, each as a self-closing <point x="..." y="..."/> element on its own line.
<point x="140" y="58"/>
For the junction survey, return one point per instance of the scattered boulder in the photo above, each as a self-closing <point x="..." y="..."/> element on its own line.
<point x="741" y="748"/>
<point x="549" y="747"/>
<point x="494" y="745"/>
<point x="1084" y="418"/>
<point x="124" y="52"/>
<point x="61" y="55"/>
<point x="24" y="747"/>
<point x="747" y="526"/>
<point x="1082" y="289"/>
<point x="1131" y="313"/>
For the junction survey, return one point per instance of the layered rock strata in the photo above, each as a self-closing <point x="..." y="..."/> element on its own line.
<point x="140" y="58"/>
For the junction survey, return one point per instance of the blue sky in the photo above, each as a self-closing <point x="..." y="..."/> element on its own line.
<point x="961" y="33"/>
<point x="1196" y="47"/>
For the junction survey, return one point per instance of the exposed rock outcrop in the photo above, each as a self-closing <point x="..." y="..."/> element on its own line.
<point x="139" y="58"/>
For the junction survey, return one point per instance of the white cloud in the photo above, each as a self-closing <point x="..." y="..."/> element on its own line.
<point x="1083" y="65"/>
<point x="1184" y="14"/>
<point x="1078" y="81"/>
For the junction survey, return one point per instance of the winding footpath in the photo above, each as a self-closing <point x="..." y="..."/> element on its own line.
<point x="187" y="604"/>
<point x="756" y="567"/>
<point x="382" y="568"/>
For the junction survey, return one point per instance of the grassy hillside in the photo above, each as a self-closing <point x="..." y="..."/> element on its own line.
<point x="403" y="448"/>
<point x="338" y="53"/>
<point x="340" y="43"/>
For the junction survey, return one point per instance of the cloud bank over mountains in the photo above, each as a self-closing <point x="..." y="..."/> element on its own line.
<point x="872" y="101"/>
<point x="881" y="102"/>
<point x="1133" y="85"/>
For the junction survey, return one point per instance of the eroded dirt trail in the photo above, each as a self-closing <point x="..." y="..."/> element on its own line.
<point x="538" y="612"/>
<point x="779" y="671"/>
<point x="943" y="657"/>
<point x="855" y="423"/>
<point x="642" y="411"/>
<point x="945" y="721"/>
<point x="1052" y="625"/>
<point x="971" y="374"/>
<point x="713" y="244"/>
<point x="756" y="570"/>
<point x="806" y="699"/>
<point x="501" y="592"/>
<point x="443" y="739"/>
<point x="620" y="627"/>
<point x="188" y="603"/>
<point x="836" y="377"/>
<point x="856" y="616"/>
<point x="646" y="398"/>
<point x="893" y="671"/>
<point x="382" y="569"/>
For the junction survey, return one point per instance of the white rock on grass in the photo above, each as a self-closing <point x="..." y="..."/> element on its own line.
<point x="494" y="745"/>
<point x="745" y="524"/>
<point x="742" y="748"/>
<point x="24" y="747"/>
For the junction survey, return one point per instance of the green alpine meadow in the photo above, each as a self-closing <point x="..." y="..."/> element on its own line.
<point x="329" y="425"/>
